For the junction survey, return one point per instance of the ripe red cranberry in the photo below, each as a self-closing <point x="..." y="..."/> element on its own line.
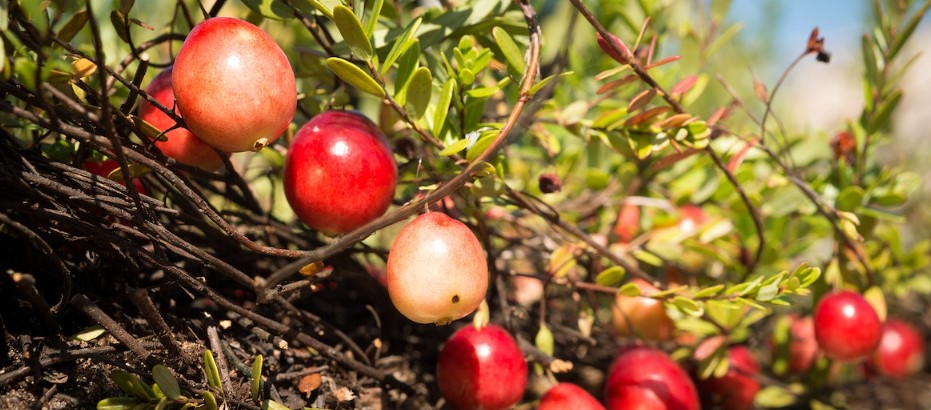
<point x="901" y="351"/>
<point x="736" y="389"/>
<point x="481" y="369"/>
<point x="181" y="145"/>
<point x="646" y="378"/>
<point x="339" y="173"/>
<point x="846" y="326"/>
<point x="234" y="85"/>
<point x="568" y="396"/>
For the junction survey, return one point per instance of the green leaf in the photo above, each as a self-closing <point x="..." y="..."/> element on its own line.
<point x="482" y="92"/>
<point x="4" y="15"/>
<point x="768" y="292"/>
<point x="542" y="83"/>
<point x="715" y="230"/>
<point x="512" y="53"/>
<point x="213" y="373"/>
<point x="126" y="6"/>
<point x="72" y="26"/>
<point x="401" y="44"/>
<point x="273" y="405"/>
<point x="317" y="5"/>
<point x="256" y="377"/>
<point x="419" y="92"/>
<point x="611" y="276"/>
<point x="166" y="381"/>
<point x="906" y="33"/>
<point x="751" y="303"/>
<point x="709" y="291"/>
<point x="454" y="148"/>
<point x="883" y="115"/>
<point x="210" y="402"/>
<point x="351" y="29"/>
<point x="37" y="14"/>
<point x="869" y="52"/>
<point x="544" y="340"/>
<point x="120" y="24"/>
<point x="687" y="306"/>
<point x="629" y="289"/>
<point x="130" y="384"/>
<point x="406" y="66"/>
<point x="117" y="403"/>
<point x="371" y="19"/>
<point x="850" y="198"/>
<point x="744" y="288"/>
<point x="354" y="76"/>
<point x="273" y="9"/>
<point x="774" y="397"/>
<point x="442" y="107"/>
<point x="482" y="143"/>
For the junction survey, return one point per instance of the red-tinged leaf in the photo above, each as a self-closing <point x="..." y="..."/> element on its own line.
<point x="623" y="57"/>
<point x="650" y="51"/>
<point x="815" y="43"/>
<point x="641" y="99"/>
<point x="664" y="61"/>
<point x="617" y="83"/>
<point x="671" y="159"/>
<point x="646" y="116"/>
<point x="684" y="85"/>
<point x="643" y="29"/>
<point x="738" y="158"/>
<point x="718" y="115"/>
<point x="677" y="120"/>
<point x="760" y="90"/>
<point x="141" y="24"/>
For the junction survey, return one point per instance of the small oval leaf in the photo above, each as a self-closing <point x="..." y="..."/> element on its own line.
<point x="135" y="171"/>
<point x="641" y="99"/>
<point x="354" y="76"/>
<point x="544" y="340"/>
<point x="419" y="92"/>
<point x="611" y="276"/>
<point x="119" y="23"/>
<point x="442" y="107"/>
<point x="512" y="54"/>
<point x="406" y="66"/>
<point x="351" y="29"/>
<point x="454" y="148"/>
<point x="273" y="9"/>
<point x="90" y="333"/>
<point x="72" y="26"/>
<point x="166" y="381"/>
<point x="213" y="373"/>
<point x="256" y="377"/>
<point x="401" y="43"/>
<point x="273" y="405"/>
<point x="117" y="403"/>
<point x="210" y="402"/>
<point x="372" y="17"/>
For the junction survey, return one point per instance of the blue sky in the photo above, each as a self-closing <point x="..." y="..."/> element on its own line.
<point x="841" y="22"/>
